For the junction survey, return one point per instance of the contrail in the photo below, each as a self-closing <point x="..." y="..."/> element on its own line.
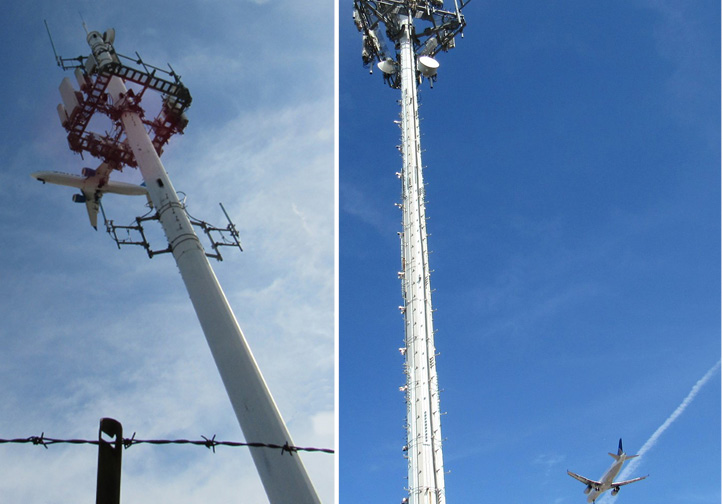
<point x="654" y="438"/>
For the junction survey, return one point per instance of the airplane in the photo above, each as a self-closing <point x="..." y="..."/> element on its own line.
<point x="92" y="184"/>
<point x="597" y="488"/>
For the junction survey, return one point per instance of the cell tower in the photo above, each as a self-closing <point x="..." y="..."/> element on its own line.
<point x="138" y="142"/>
<point x="416" y="30"/>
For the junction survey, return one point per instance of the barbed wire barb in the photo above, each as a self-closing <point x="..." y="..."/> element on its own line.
<point x="211" y="443"/>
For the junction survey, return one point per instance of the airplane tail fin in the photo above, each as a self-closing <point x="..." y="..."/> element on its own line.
<point x="621" y="453"/>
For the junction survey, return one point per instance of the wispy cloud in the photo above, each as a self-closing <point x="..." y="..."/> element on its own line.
<point x="548" y="461"/>
<point x="680" y="40"/>
<point x="358" y="203"/>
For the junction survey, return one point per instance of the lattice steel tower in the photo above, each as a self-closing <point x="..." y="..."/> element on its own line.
<point x="417" y="31"/>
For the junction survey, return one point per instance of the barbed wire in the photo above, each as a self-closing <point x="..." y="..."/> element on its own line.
<point x="210" y="443"/>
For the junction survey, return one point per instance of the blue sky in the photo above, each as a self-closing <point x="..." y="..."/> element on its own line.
<point x="573" y="170"/>
<point x="90" y="331"/>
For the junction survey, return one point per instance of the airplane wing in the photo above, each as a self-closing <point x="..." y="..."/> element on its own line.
<point x="70" y="180"/>
<point x="66" y="179"/>
<point x="626" y="482"/>
<point x="124" y="188"/>
<point x="92" y="204"/>
<point x="583" y="479"/>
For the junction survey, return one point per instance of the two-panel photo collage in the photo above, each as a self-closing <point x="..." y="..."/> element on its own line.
<point x="361" y="251"/>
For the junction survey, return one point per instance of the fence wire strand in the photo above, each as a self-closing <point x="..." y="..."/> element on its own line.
<point x="209" y="443"/>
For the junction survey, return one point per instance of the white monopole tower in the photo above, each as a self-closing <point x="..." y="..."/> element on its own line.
<point x="137" y="141"/>
<point x="413" y="61"/>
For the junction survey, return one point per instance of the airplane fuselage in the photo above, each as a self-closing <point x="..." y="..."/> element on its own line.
<point x="606" y="481"/>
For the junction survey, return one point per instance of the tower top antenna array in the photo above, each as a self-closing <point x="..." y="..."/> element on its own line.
<point x="433" y="29"/>
<point x="93" y="74"/>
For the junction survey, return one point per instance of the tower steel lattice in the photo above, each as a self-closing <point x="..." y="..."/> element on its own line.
<point x="417" y="31"/>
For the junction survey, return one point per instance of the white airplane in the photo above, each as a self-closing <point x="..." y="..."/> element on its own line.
<point x="92" y="184"/>
<point x="596" y="488"/>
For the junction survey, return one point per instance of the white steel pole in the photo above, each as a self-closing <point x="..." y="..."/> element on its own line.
<point x="424" y="441"/>
<point x="283" y="475"/>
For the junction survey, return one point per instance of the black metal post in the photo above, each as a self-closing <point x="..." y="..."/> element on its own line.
<point x="109" y="462"/>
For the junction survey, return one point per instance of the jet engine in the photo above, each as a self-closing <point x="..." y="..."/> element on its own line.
<point x="87" y="172"/>
<point x="587" y="490"/>
<point x="79" y="198"/>
<point x="615" y="491"/>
